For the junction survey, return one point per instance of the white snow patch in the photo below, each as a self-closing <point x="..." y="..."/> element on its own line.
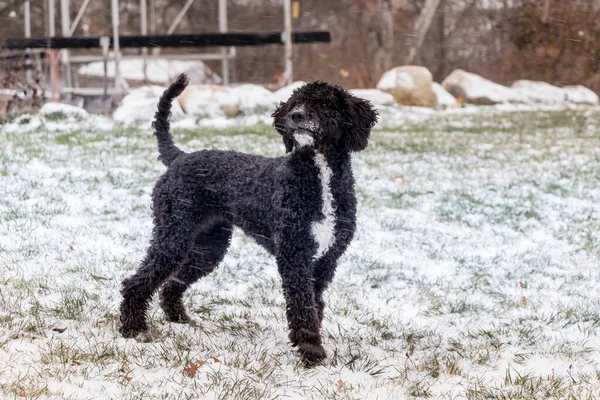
<point x="66" y="109"/>
<point x="443" y="97"/>
<point x="476" y="87"/>
<point x="285" y="92"/>
<point x="253" y="97"/>
<point x="209" y="101"/>
<point x="581" y="95"/>
<point x="156" y="71"/>
<point x="141" y="104"/>
<point x="375" y="96"/>
<point x="394" y="78"/>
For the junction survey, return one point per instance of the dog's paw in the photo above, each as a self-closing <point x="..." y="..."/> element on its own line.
<point x="144" y="337"/>
<point x="311" y="355"/>
<point x="178" y="318"/>
<point x="194" y="323"/>
<point x="130" y="333"/>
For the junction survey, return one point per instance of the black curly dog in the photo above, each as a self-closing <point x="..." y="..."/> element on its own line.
<point x="300" y="207"/>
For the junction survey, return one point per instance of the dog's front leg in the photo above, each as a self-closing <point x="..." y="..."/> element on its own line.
<point x="302" y="312"/>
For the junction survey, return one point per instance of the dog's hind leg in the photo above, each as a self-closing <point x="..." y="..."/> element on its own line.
<point x="209" y="249"/>
<point x="172" y="241"/>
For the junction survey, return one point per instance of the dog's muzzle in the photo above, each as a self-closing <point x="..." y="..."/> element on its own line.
<point x="303" y="138"/>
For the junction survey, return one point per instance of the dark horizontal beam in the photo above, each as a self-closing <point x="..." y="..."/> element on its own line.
<point x="203" y="40"/>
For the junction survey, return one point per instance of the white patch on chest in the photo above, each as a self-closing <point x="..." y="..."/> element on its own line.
<point x="323" y="231"/>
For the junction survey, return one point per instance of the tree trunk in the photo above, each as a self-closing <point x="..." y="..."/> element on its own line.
<point x="422" y="26"/>
<point x="382" y="37"/>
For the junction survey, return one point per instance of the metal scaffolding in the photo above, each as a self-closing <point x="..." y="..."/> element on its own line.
<point x="68" y="28"/>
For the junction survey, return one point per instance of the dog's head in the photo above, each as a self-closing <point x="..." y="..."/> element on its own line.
<point x="322" y="115"/>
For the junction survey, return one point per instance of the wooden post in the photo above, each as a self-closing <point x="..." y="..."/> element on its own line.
<point x="65" y="21"/>
<point x="224" y="50"/>
<point x="287" y="40"/>
<point x="546" y="13"/>
<point x="116" y="47"/>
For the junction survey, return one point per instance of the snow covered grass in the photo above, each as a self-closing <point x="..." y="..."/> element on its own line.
<point x="474" y="272"/>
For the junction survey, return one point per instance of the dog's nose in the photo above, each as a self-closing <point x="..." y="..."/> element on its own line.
<point x="298" y="115"/>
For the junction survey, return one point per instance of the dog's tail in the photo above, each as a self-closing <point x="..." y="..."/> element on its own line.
<point x="167" y="150"/>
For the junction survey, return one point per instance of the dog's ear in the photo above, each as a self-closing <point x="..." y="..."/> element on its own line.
<point x="278" y="115"/>
<point x="362" y="118"/>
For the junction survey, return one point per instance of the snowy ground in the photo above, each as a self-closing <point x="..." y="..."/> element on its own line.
<point x="474" y="272"/>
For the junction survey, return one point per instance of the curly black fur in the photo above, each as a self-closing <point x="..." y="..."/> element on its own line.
<point x="300" y="207"/>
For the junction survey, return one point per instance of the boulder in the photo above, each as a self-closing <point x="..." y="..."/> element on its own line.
<point x="581" y="95"/>
<point x="375" y="96"/>
<point x="410" y="85"/>
<point x="474" y="89"/>
<point x="539" y="92"/>
<point x="141" y="104"/>
<point x="62" y="110"/>
<point x="210" y="101"/>
<point x="254" y="98"/>
<point x="545" y="93"/>
<point x="442" y="96"/>
<point x="285" y="92"/>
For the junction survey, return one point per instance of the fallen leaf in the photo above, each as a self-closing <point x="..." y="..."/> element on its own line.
<point x="200" y="363"/>
<point x="399" y="177"/>
<point x="191" y="370"/>
<point x="524" y="300"/>
<point x="59" y="330"/>
<point x="22" y="394"/>
<point x="344" y="73"/>
<point x="75" y="362"/>
<point x="523" y="285"/>
<point x="340" y="385"/>
<point x="215" y="359"/>
<point x="99" y="278"/>
<point x="127" y="378"/>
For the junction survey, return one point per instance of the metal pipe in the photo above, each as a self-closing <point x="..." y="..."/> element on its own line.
<point x="143" y="17"/>
<point x="65" y="25"/>
<point x="224" y="51"/>
<point x="116" y="47"/>
<point x="144" y="23"/>
<point x="51" y="18"/>
<point x="78" y="17"/>
<point x="27" y="6"/>
<point x="52" y="33"/>
<point x="179" y="17"/>
<point x="153" y="17"/>
<point x="287" y="40"/>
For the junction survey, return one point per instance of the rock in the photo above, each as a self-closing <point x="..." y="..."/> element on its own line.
<point x="141" y="104"/>
<point x="209" y="100"/>
<point x="285" y="92"/>
<point x="539" y="92"/>
<point x="375" y="96"/>
<point x="545" y="93"/>
<point x="410" y="85"/>
<point x="442" y="96"/>
<point x="474" y="89"/>
<point x="581" y="95"/>
<point x="61" y="110"/>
